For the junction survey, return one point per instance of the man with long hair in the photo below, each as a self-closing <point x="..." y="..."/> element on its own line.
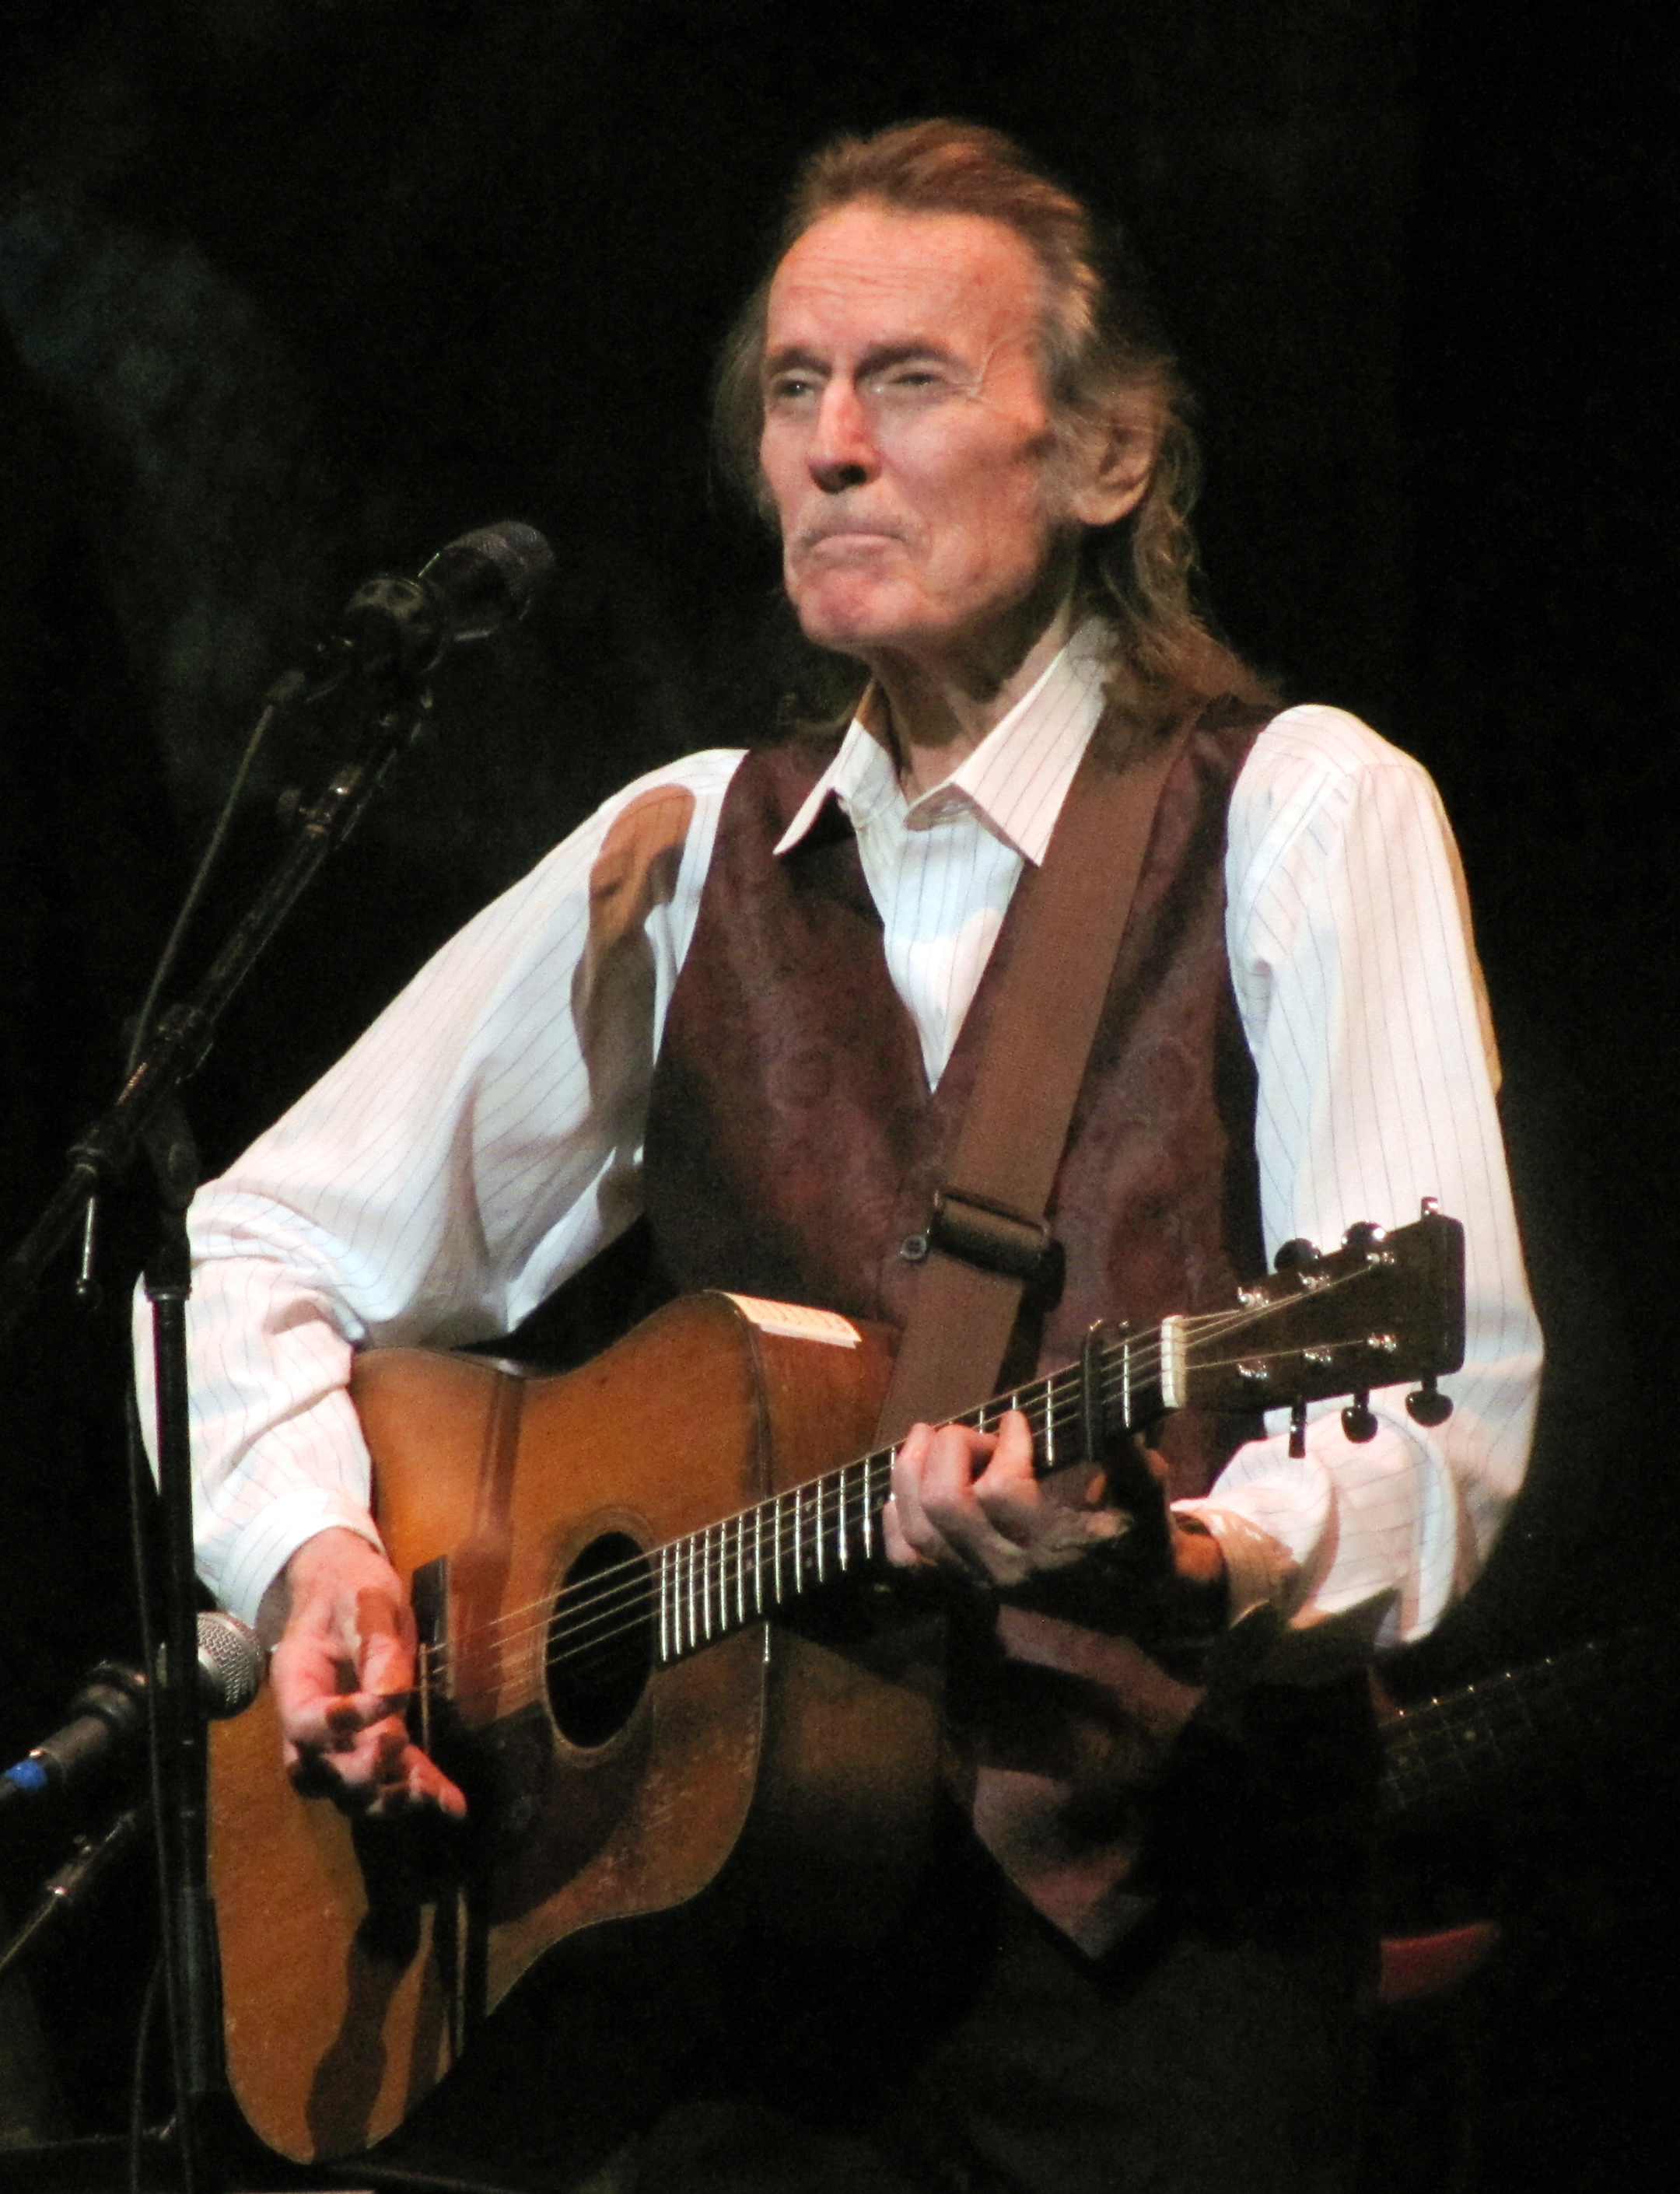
<point x="745" y="1002"/>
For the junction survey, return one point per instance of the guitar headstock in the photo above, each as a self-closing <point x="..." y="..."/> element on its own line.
<point x="1383" y="1308"/>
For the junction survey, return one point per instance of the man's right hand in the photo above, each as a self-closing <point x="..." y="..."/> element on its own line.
<point x="341" y="1673"/>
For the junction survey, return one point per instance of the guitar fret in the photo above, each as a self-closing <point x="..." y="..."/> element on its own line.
<point x="817" y="1534"/>
<point x="798" y="1539"/>
<point x="843" y="1544"/>
<point x="758" y="1557"/>
<point x="664" y="1602"/>
<point x="693" y="1635"/>
<point x="1125" y="1380"/>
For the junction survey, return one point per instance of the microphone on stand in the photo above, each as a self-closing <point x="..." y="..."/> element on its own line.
<point x="106" y="1725"/>
<point x="469" y="591"/>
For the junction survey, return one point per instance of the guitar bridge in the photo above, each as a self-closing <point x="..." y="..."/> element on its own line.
<point x="428" y="1596"/>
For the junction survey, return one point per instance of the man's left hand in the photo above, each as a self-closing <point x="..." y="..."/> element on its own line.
<point x="969" y="1503"/>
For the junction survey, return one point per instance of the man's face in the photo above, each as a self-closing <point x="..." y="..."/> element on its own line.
<point x="905" y="433"/>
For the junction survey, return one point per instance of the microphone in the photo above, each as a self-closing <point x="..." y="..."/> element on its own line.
<point x="469" y="590"/>
<point x="107" y="1723"/>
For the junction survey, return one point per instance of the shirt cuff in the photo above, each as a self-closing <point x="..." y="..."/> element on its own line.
<point x="1260" y="1571"/>
<point x="270" y="1541"/>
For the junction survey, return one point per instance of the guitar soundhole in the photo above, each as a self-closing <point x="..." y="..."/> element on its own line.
<point x="601" y="1640"/>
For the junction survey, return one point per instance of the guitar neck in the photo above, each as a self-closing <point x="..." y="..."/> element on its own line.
<point x="1444" y="1750"/>
<point x="747" y="1565"/>
<point x="1383" y="1308"/>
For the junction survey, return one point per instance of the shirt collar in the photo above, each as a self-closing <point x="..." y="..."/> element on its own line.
<point x="1015" y="779"/>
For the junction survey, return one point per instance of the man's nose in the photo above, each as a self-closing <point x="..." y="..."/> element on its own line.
<point x="843" y="451"/>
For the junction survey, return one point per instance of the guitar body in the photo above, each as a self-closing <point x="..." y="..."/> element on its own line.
<point x="358" y="1962"/>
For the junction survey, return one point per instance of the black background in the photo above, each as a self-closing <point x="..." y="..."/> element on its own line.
<point x="295" y="290"/>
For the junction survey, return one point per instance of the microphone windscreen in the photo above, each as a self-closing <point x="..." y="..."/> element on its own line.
<point x="231" y="1664"/>
<point x="490" y="577"/>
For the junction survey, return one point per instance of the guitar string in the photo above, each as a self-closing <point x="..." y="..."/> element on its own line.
<point x="630" y="1573"/>
<point x="722" y="1590"/>
<point x="798" y="1530"/>
<point x="1031" y="1396"/>
<point x="718" y="1556"/>
<point x="722" y="1568"/>
<point x="1144" y="1361"/>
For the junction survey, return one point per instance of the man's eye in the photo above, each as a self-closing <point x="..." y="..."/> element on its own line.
<point x="911" y="381"/>
<point x="789" y="388"/>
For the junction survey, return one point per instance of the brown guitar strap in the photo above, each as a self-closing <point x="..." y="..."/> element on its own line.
<point x="987" y="1236"/>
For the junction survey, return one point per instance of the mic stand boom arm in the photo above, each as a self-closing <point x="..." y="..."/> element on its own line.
<point x="181" y="1040"/>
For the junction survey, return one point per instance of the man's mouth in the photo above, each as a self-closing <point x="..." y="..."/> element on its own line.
<point x="853" y="532"/>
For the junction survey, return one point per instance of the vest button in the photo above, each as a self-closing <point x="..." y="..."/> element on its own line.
<point x="913" y="1248"/>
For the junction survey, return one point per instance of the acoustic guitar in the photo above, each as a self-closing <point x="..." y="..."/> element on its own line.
<point x="607" y="1568"/>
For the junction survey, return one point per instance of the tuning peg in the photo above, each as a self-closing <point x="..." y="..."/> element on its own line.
<point x="1300" y="1251"/>
<point x="1365" y="1234"/>
<point x="1358" y="1422"/>
<point x="1297" y="1431"/>
<point x="1428" y="1406"/>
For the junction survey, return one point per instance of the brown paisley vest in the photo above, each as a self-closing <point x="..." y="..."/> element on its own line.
<point x="793" y="1144"/>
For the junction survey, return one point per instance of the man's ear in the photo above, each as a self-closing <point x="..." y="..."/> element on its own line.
<point x="1110" y="472"/>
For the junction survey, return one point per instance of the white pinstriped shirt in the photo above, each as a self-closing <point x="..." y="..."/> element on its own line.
<point x="482" y="1141"/>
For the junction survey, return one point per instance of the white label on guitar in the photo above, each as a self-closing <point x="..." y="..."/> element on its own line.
<point x="798" y="1321"/>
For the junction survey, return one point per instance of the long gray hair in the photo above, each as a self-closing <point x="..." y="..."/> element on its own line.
<point x="1105" y="360"/>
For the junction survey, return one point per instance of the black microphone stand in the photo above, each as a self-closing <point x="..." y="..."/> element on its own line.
<point x="385" y="687"/>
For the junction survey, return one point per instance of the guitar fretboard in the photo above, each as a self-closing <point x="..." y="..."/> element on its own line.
<point x="1443" y="1749"/>
<point x="747" y="1565"/>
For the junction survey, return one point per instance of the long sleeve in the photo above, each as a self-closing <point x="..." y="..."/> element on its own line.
<point x="478" y="1145"/>
<point x="1350" y="953"/>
